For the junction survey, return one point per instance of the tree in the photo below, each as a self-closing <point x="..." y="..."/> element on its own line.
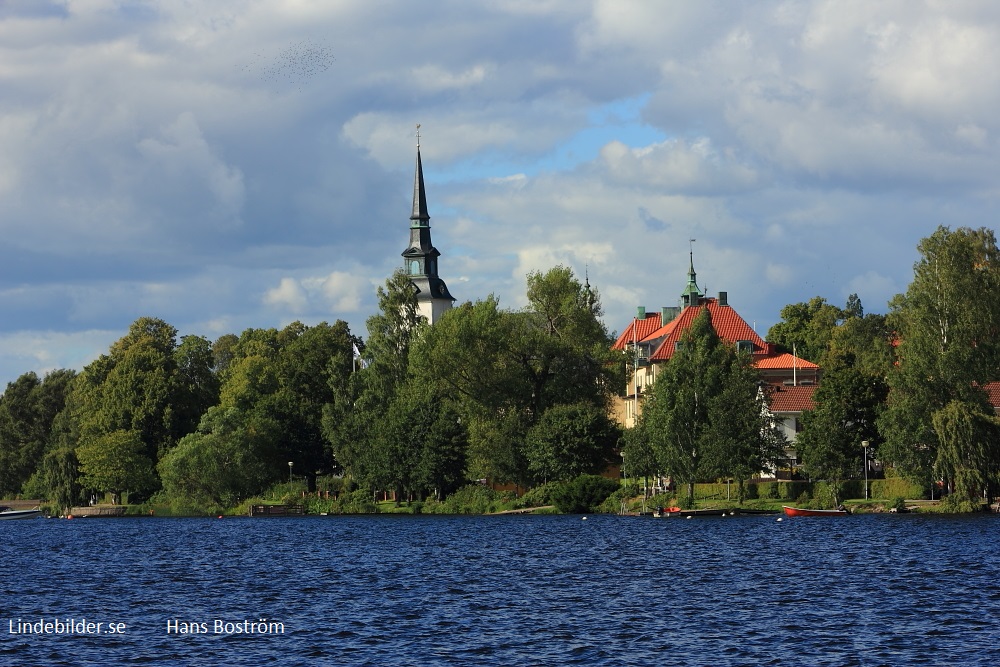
<point x="742" y="439"/>
<point x="28" y="409"/>
<point x="307" y="364"/>
<point x="969" y="449"/>
<point x="115" y="462"/>
<point x="705" y="416"/>
<point x="196" y="383"/>
<point x="132" y="388"/>
<point x="230" y="458"/>
<point x="848" y="403"/>
<point x="806" y="328"/>
<point x="947" y="324"/>
<point x="355" y="422"/>
<point x="676" y="417"/>
<point x="638" y="456"/>
<point x="507" y="369"/>
<point x="570" y="440"/>
<point x="583" y="493"/>
<point x="868" y="340"/>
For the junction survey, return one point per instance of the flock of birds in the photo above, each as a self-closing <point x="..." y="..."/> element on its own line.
<point x="294" y="65"/>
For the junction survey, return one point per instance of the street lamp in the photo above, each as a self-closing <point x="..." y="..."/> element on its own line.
<point x="864" y="447"/>
<point x="289" y="478"/>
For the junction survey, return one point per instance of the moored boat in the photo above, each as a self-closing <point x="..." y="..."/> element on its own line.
<point x="661" y="512"/>
<point x="798" y="511"/>
<point x="7" y="513"/>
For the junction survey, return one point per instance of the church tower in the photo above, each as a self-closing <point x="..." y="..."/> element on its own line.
<point x="420" y="258"/>
<point x="692" y="294"/>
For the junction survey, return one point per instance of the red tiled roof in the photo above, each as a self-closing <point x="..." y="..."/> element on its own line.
<point x="637" y="330"/>
<point x="727" y="324"/>
<point x="784" y="360"/>
<point x="993" y="390"/>
<point x="790" y="399"/>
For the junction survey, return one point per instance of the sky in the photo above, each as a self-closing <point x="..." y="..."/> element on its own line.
<point x="236" y="164"/>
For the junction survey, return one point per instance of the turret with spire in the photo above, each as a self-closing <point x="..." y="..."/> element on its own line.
<point x="692" y="293"/>
<point x="420" y="258"/>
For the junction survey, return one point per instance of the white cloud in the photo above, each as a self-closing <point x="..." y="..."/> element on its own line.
<point x="288" y="295"/>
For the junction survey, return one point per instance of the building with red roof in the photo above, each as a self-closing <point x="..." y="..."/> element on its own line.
<point x="651" y="339"/>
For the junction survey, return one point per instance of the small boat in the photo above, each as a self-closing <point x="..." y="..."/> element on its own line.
<point x="7" y="513"/>
<point x="661" y="512"/>
<point x="798" y="511"/>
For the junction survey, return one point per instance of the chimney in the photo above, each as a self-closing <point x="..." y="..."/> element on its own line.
<point x="640" y="312"/>
<point x="668" y="314"/>
<point x="723" y="298"/>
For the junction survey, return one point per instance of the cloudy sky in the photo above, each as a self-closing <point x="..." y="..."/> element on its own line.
<point x="235" y="164"/>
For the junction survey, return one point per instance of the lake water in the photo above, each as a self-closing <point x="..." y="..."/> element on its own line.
<point x="508" y="590"/>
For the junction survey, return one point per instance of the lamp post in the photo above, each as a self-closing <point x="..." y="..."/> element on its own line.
<point x="864" y="447"/>
<point x="289" y="478"/>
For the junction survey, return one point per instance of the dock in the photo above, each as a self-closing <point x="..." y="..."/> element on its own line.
<point x="277" y="510"/>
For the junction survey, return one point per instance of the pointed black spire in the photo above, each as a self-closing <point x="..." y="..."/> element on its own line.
<point x="420" y="217"/>
<point x="420" y="258"/>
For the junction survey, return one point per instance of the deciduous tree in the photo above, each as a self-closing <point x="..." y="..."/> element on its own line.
<point x="947" y="323"/>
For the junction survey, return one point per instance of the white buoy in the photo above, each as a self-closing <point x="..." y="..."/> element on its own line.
<point x="779" y="518"/>
<point x="584" y="518"/>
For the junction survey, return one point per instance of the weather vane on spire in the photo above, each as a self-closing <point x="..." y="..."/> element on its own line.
<point x="418" y="136"/>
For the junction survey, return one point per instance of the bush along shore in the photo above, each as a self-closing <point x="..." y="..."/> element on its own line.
<point x="586" y="494"/>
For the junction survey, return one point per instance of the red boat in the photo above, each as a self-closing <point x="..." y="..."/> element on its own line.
<point x="796" y="511"/>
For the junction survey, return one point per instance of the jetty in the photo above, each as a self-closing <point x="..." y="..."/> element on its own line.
<point x="97" y="511"/>
<point x="277" y="510"/>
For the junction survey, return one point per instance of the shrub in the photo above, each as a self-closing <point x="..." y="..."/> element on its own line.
<point x="952" y="503"/>
<point x="897" y="504"/>
<point x="893" y="487"/>
<point x="583" y="493"/>
<point x="767" y="490"/>
<point x="471" y="499"/>
<point x="539" y="496"/>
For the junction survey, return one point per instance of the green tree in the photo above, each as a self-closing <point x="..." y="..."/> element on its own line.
<point x="848" y="403"/>
<point x="969" y="449"/>
<point x="230" y="458"/>
<point x="806" y="328"/>
<point x="132" y="388"/>
<point x="570" y="440"/>
<point x="639" y="457"/>
<point x="948" y="348"/>
<point x="676" y="417"/>
<point x="868" y="340"/>
<point x="196" y="385"/>
<point x="115" y="462"/>
<point x="507" y="369"/>
<point x="59" y="473"/>
<point x="359" y="421"/>
<point x="583" y="493"/>
<point x="28" y="409"/>
<point x="705" y="416"/>
<point x="307" y="364"/>
<point x="742" y="439"/>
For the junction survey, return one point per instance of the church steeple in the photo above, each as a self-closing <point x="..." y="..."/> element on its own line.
<point x="420" y="258"/>
<point x="691" y="293"/>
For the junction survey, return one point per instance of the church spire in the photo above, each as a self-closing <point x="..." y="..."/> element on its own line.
<point x="691" y="293"/>
<point x="420" y="258"/>
<point x="420" y="217"/>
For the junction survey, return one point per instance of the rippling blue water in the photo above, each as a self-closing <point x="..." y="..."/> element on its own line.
<point x="521" y="590"/>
